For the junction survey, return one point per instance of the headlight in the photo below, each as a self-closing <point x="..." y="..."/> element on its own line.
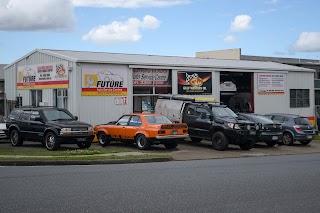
<point x="90" y="128"/>
<point x="66" y="130"/>
<point x="257" y="127"/>
<point x="248" y="127"/>
<point x="233" y="126"/>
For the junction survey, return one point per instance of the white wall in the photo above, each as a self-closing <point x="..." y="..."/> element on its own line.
<point x="281" y="103"/>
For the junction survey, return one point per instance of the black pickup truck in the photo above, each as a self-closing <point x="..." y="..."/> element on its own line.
<point x="209" y="121"/>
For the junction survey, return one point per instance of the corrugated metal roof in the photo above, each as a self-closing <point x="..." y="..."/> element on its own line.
<point x="173" y="61"/>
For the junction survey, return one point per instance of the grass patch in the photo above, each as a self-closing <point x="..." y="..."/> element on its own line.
<point x="84" y="158"/>
<point x="316" y="137"/>
<point x="74" y="152"/>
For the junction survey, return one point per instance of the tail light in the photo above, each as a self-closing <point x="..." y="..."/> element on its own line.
<point x="298" y="128"/>
<point x="161" y="132"/>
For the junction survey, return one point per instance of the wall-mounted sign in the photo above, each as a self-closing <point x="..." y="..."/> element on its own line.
<point x="120" y="101"/>
<point x="151" y="77"/>
<point x="97" y="82"/>
<point x="195" y="83"/>
<point x="43" y="76"/>
<point x="271" y="83"/>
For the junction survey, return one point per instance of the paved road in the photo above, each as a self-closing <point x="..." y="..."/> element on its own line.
<point x="258" y="184"/>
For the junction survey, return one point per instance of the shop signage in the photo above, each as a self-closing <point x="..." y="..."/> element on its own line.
<point x="195" y="83"/>
<point x="43" y="76"/>
<point x="271" y="83"/>
<point x="120" y="101"/>
<point x="150" y="77"/>
<point x="101" y="82"/>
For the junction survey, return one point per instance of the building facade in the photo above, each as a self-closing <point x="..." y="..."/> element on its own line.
<point x="99" y="87"/>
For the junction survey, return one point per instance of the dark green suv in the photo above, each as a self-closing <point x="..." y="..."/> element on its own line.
<point x="49" y="125"/>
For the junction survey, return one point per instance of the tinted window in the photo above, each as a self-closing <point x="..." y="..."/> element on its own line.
<point x="223" y="112"/>
<point x="15" y="114"/>
<point x="53" y="115"/>
<point x="25" y="115"/>
<point x="279" y="119"/>
<point x="302" y="121"/>
<point x="191" y="110"/>
<point x="34" y="115"/>
<point x="262" y="119"/>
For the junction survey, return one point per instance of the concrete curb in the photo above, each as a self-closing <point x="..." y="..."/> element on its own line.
<point x="81" y="162"/>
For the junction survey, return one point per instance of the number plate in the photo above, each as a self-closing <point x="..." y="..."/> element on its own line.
<point x="174" y="132"/>
<point x="309" y="136"/>
<point x="81" y="139"/>
<point x="252" y="132"/>
<point x="274" y="138"/>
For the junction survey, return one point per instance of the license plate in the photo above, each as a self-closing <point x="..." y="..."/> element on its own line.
<point x="81" y="139"/>
<point x="174" y="132"/>
<point x="252" y="132"/>
<point x="309" y="136"/>
<point x="274" y="137"/>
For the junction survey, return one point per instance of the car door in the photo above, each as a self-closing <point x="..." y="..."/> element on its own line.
<point x="118" y="130"/>
<point x="37" y="127"/>
<point x="23" y="123"/>
<point x="189" y="117"/>
<point x="134" y="125"/>
<point x="203" y="123"/>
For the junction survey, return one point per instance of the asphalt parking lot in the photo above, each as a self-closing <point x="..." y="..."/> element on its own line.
<point x="190" y="151"/>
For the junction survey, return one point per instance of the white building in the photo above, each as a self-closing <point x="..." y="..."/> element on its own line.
<point x="99" y="87"/>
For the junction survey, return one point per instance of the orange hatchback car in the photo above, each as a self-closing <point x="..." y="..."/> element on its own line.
<point x="143" y="129"/>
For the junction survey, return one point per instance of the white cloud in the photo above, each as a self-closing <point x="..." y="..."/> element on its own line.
<point x="272" y="2"/>
<point x="230" y="39"/>
<point x="241" y="23"/>
<point x="119" y="32"/>
<point x="307" y="42"/>
<point x="128" y="3"/>
<point x="17" y="15"/>
<point x="267" y="11"/>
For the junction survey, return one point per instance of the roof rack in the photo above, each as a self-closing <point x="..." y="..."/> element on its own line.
<point x="188" y="98"/>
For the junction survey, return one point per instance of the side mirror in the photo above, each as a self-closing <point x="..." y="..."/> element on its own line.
<point x="76" y="118"/>
<point x="211" y="117"/>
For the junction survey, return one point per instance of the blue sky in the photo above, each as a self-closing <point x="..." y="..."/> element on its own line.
<point x="278" y="28"/>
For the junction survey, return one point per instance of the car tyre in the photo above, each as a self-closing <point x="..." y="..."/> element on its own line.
<point x="287" y="139"/>
<point x="84" y="145"/>
<point x="15" y="138"/>
<point x="195" y="140"/>
<point x="103" y="139"/>
<point x="271" y="143"/>
<point x="247" y="146"/>
<point x="51" y="141"/>
<point x="219" y="141"/>
<point x="171" y="145"/>
<point x="142" y="142"/>
<point x="305" y="142"/>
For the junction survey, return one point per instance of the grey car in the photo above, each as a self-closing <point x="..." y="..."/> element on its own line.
<point x="294" y="128"/>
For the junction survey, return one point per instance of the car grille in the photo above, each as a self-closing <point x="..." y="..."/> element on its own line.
<point x="79" y="129"/>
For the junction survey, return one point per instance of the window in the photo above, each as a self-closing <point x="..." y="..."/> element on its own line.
<point x="135" y="121"/>
<point x="36" y="97"/>
<point x="34" y="115"/>
<point x="123" y="121"/>
<point x="299" y="98"/>
<point x="61" y="98"/>
<point x="279" y="119"/>
<point x="25" y="115"/>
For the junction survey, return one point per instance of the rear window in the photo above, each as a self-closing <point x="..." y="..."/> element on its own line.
<point x="158" y="120"/>
<point x="302" y="121"/>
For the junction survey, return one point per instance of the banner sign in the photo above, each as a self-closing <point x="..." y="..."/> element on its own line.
<point x="97" y="82"/>
<point x="43" y="76"/>
<point x="150" y="77"/>
<point x="195" y="83"/>
<point x="271" y="83"/>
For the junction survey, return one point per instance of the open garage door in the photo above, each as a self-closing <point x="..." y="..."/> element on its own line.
<point x="236" y="91"/>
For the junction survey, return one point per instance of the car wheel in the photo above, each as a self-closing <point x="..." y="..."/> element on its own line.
<point x="84" y="145"/>
<point x="103" y="139"/>
<point x="142" y="142"/>
<point x="247" y="146"/>
<point x="171" y="145"/>
<point x="271" y="143"/>
<point x="195" y="140"/>
<point x="51" y="141"/>
<point x="219" y="141"/>
<point x="305" y="142"/>
<point x="15" y="138"/>
<point x="287" y="139"/>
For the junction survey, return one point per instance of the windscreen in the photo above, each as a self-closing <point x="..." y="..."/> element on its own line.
<point x="302" y="121"/>
<point x="54" y="115"/>
<point x="223" y="112"/>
